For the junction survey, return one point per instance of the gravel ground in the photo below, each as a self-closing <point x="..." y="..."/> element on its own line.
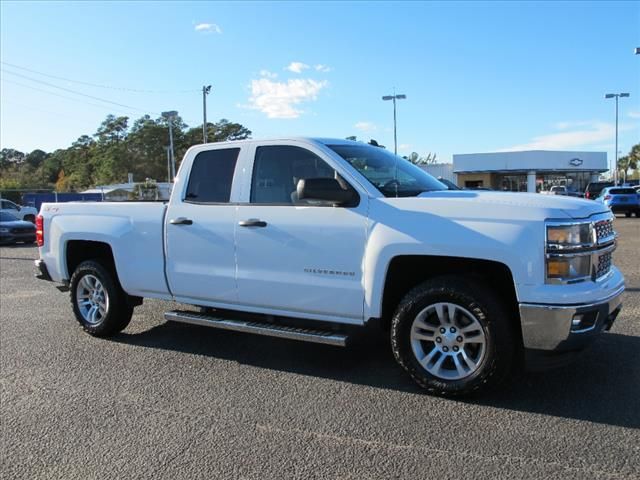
<point x="178" y="401"/>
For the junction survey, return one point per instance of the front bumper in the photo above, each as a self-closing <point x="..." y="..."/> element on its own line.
<point x="553" y="331"/>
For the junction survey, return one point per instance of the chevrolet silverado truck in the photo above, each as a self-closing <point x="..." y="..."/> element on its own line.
<point x="314" y="239"/>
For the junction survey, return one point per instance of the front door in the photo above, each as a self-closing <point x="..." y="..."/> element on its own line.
<point x="296" y="257"/>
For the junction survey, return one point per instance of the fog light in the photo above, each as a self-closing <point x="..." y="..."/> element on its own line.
<point x="583" y="321"/>
<point x="577" y="320"/>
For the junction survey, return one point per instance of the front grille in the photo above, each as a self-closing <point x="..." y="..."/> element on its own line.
<point x="604" y="229"/>
<point x="604" y="264"/>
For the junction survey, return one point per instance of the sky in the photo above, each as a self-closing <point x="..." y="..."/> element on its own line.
<point x="478" y="76"/>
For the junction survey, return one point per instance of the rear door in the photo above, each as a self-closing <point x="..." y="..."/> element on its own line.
<point x="200" y="226"/>
<point x="298" y="258"/>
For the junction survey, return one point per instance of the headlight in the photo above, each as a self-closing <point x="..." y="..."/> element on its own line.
<point x="568" y="236"/>
<point x="569" y="252"/>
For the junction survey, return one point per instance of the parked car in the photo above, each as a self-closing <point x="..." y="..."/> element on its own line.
<point x="563" y="190"/>
<point x="313" y="239"/>
<point x="21" y="213"/>
<point x="14" y="230"/>
<point x="450" y="185"/>
<point x="594" y="188"/>
<point x="621" y="200"/>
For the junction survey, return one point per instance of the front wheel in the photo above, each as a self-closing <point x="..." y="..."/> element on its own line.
<point x="99" y="303"/>
<point x="453" y="336"/>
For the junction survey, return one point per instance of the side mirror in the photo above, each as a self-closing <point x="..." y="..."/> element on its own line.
<point x="327" y="189"/>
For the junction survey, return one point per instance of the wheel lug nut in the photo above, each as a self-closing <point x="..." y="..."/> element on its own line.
<point x="439" y="340"/>
<point x="453" y="329"/>
<point x="459" y="339"/>
<point x="445" y="349"/>
<point x="443" y="330"/>
<point x="455" y="349"/>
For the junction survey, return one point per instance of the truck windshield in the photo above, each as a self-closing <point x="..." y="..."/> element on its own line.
<point x="391" y="175"/>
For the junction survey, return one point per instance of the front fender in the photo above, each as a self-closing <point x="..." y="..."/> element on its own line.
<point x="398" y="232"/>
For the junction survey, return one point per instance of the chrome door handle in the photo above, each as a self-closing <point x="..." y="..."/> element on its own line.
<point x="181" y="221"/>
<point x="252" y="222"/>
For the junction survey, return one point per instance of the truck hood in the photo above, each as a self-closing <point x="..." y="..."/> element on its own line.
<point x="506" y="205"/>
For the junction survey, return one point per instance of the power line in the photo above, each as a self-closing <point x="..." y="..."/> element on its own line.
<point x="88" y="103"/>
<point x="63" y="96"/>
<point x="42" y="82"/>
<point x="97" y="85"/>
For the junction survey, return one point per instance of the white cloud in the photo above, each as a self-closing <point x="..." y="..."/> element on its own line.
<point x="297" y="67"/>
<point x="634" y="114"/>
<point x="207" y="28"/>
<point x="405" y="146"/>
<point x="322" y="68"/>
<point x="279" y="99"/>
<point x="573" y="134"/>
<point x="268" y="74"/>
<point x="366" y="127"/>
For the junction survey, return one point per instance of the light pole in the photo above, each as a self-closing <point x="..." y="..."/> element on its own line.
<point x="394" y="97"/>
<point x="205" y="92"/>
<point x="170" y="116"/>
<point x="616" y="96"/>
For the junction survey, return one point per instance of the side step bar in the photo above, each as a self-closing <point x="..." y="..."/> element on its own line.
<point x="260" y="328"/>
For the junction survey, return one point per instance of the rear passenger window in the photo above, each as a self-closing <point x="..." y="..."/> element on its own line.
<point x="277" y="170"/>
<point x="211" y="176"/>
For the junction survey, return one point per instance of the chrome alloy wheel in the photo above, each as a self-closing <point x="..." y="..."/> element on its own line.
<point x="448" y="341"/>
<point x="92" y="299"/>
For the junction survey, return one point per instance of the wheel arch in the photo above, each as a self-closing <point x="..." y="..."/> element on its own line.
<point x="78" y="251"/>
<point x="406" y="271"/>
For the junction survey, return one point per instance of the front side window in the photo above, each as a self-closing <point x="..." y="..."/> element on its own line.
<point x="278" y="169"/>
<point x="211" y="176"/>
<point x="9" y="205"/>
<point x="391" y="175"/>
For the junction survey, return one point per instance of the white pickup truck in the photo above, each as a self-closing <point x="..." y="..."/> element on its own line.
<point x="312" y="239"/>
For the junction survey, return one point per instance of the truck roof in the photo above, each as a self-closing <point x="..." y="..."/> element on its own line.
<point x="322" y="140"/>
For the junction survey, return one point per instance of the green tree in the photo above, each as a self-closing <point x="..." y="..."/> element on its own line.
<point x="630" y="161"/>
<point x="36" y="158"/>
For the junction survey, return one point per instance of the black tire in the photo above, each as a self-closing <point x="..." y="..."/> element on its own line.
<point x="500" y="345"/>
<point x="118" y="310"/>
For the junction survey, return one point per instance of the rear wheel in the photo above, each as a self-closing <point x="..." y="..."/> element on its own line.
<point x="99" y="303"/>
<point x="453" y="336"/>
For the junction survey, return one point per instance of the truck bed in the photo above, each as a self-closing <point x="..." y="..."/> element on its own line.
<point x="133" y="229"/>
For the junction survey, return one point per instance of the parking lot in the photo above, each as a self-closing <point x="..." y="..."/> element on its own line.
<point x="180" y="401"/>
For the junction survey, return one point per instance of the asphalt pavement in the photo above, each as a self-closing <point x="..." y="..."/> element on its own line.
<point x="175" y="401"/>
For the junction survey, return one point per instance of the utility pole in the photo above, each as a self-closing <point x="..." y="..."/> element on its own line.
<point x="205" y="92"/>
<point x="394" y="97"/>
<point x="616" y="96"/>
<point x="170" y="116"/>
<point x="168" y="164"/>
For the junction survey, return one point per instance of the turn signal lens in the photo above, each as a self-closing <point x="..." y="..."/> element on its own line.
<point x="557" y="268"/>
<point x="569" y="268"/>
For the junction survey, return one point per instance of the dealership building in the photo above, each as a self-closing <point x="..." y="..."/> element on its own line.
<point x="529" y="171"/>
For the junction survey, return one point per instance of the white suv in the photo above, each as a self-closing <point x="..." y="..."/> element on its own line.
<point x="22" y="213"/>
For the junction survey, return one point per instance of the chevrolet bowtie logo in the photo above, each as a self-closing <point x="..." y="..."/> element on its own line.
<point x="576" y="162"/>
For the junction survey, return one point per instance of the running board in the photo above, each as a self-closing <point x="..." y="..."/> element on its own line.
<point x="325" y="337"/>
